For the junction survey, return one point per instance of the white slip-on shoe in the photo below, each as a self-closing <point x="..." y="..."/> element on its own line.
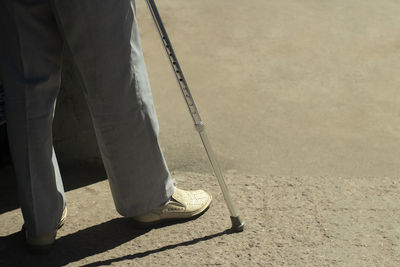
<point x="184" y="205"/>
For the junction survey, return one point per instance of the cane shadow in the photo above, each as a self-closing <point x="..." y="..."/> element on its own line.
<point x="154" y="251"/>
<point x="85" y="243"/>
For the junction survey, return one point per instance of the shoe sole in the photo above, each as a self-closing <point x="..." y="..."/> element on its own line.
<point x="166" y="222"/>
<point x="170" y="221"/>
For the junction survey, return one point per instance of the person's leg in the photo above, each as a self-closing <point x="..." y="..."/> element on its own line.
<point x="104" y="41"/>
<point x="30" y="58"/>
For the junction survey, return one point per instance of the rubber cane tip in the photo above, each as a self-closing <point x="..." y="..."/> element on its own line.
<point x="237" y="224"/>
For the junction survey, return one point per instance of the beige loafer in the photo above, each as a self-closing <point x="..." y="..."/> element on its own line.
<point x="184" y="205"/>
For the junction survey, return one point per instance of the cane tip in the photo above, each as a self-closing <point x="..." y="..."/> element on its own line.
<point x="237" y="224"/>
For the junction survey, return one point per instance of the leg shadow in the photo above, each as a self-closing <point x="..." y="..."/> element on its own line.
<point x="85" y="243"/>
<point x="74" y="247"/>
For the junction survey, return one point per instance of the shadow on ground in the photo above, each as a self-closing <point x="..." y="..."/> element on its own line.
<point x="74" y="176"/>
<point x="85" y="243"/>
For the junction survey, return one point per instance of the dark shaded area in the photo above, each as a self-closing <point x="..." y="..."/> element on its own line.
<point x="8" y="189"/>
<point x="70" y="248"/>
<point x="4" y="150"/>
<point x="84" y="243"/>
<point x="74" y="138"/>
<point x="74" y="142"/>
<point x="74" y="176"/>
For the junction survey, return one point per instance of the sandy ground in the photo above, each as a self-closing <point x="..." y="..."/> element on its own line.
<point x="301" y="103"/>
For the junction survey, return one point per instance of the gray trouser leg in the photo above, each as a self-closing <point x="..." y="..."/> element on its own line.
<point x="31" y="51"/>
<point x="104" y="41"/>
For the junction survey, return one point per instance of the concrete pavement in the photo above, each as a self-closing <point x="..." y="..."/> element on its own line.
<point x="285" y="87"/>
<point x="301" y="105"/>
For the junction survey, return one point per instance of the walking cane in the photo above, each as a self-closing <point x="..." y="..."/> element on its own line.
<point x="237" y="223"/>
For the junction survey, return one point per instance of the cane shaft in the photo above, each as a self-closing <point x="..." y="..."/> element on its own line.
<point x="199" y="125"/>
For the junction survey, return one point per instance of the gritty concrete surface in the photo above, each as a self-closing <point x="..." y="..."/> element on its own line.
<point x="301" y="103"/>
<point x="297" y="221"/>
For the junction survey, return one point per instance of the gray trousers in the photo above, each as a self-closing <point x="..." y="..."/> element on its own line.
<point x="103" y="38"/>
